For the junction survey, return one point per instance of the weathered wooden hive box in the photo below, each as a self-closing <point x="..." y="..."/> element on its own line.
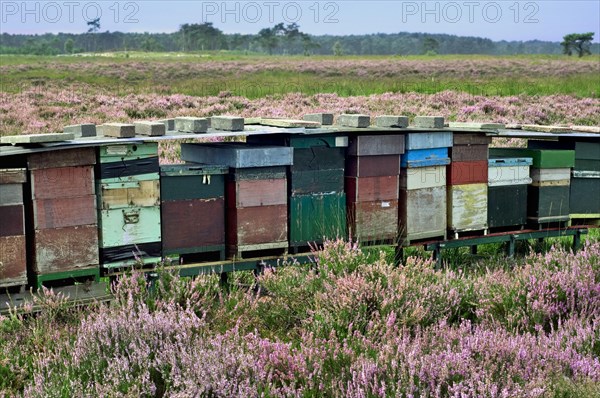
<point x="13" y="255"/>
<point x="508" y="180"/>
<point x="549" y="192"/>
<point x="585" y="178"/>
<point x="423" y="203"/>
<point x="372" y="186"/>
<point x="424" y="149"/>
<point x="467" y="182"/>
<point x="317" y="201"/>
<point x="256" y="193"/>
<point x="128" y="186"/>
<point x="64" y="231"/>
<point x="193" y="210"/>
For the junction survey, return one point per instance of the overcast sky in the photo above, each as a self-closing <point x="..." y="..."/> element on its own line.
<point x="497" y="20"/>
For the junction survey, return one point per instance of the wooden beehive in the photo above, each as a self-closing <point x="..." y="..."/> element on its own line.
<point x="587" y="152"/>
<point x="467" y="207"/>
<point x="128" y="204"/>
<point x="425" y="157"/>
<point x="507" y="205"/>
<point x="427" y="140"/>
<point x="376" y="145"/>
<point x="63" y="234"/>
<point x="548" y="203"/>
<point x="315" y="217"/>
<point x="509" y="171"/>
<point x="422" y="213"/>
<point x="13" y="255"/>
<point x="237" y="155"/>
<point x="585" y="194"/>
<point x="374" y="221"/>
<point x="475" y="172"/>
<point x="373" y="166"/>
<point x="541" y="158"/>
<point x="256" y="202"/>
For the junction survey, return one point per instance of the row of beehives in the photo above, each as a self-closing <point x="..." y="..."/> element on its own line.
<point x="114" y="205"/>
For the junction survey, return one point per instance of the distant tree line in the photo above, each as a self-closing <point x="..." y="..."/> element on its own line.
<point x="280" y="39"/>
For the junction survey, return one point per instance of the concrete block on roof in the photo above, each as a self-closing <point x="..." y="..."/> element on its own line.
<point x="391" y="121"/>
<point x="36" y="138"/>
<point x="191" y="124"/>
<point x="81" y="130"/>
<point x="352" y="120"/>
<point x="326" y="119"/>
<point x="169" y="123"/>
<point x="117" y="130"/>
<point x="429" y="122"/>
<point x="152" y="129"/>
<point x="227" y="123"/>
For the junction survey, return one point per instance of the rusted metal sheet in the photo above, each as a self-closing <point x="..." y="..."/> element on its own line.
<point x="471" y="139"/>
<point x="369" y="145"/>
<point x="62" y="249"/>
<point x="373" y="166"/>
<point x="11" y="194"/>
<point x="62" y="182"/>
<point x="64" y="212"/>
<point x="248" y="193"/>
<point x="467" y="207"/>
<point x="12" y="220"/>
<point x="62" y="158"/>
<point x="422" y="213"/>
<point x="193" y="223"/>
<point x="115" y="195"/>
<point x="373" y="221"/>
<point x="467" y="172"/>
<point x="369" y="189"/>
<point x="423" y="177"/>
<point x="469" y="153"/>
<point x="13" y="176"/>
<point x="13" y="269"/>
<point x="256" y="225"/>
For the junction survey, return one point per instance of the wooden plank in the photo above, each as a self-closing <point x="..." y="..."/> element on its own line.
<point x="128" y="226"/>
<point x="13" y="176"/>
<point x="126" y="152"/>
<point x="36" y="138"/>
<point x="11" y="194"/>
<point x="585" y="196"/>
<point x="423" y="177"/>
<point x="237" y="155"/>
<point x="61" y="158"/>
<point x="373" y="221"/>
<point x="63" y="249"/>
<point x="467" y="207"/>
<point x="193" y="223"/>
<point x="13" y="220"/>
<point x="371" y="189"/>
<point x="14" y="261"/>
<point x="507" y="205"/>
<point x="469" y="153"/>
<point x="545" y="129"/>
<point x="376" y="145"/>
<point x="427" y="140"/>
<point x="288" y="123"/>
<point x="459" y="173"/>
<point x="425" y="157"/>
<point x="475" y="125"/>
<point x="548" y="202"/>
<point x="127" y="194"/>
<point x="316" y="181"/>
<point x="256" y="225"/>
<point x="315" y="217"/>
<point x="372" y="166"/>
<point x="248" y="193"/>
<point x="63" y="182"/>
<point x="64" y="212"/>
<point x="422" y="212"/>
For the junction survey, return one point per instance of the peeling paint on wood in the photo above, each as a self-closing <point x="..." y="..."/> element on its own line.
<point x="13" y="176"/>
<point x="64" y="212"/>
<point x="467" y="207"/>
<point x="63" y="158"/>
<point x="460" y="173"/>
<point x="422" y="213"/>
<point x="256" y="225"/>
<point x="13" y="263"/>
<point x="423" y="177"/>
<point x="469" y="153"/>
<point x="62" y="182"/>
<point x="252" y="193"/>
<point x="369" y="189"/>
<point x="373" y="221"/>
<point x="63" y="249"/>
<point x="117" y="195"/>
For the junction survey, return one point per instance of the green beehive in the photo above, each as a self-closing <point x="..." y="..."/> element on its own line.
<point x="542" y="158"/>
<point x="316" y="217"/>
